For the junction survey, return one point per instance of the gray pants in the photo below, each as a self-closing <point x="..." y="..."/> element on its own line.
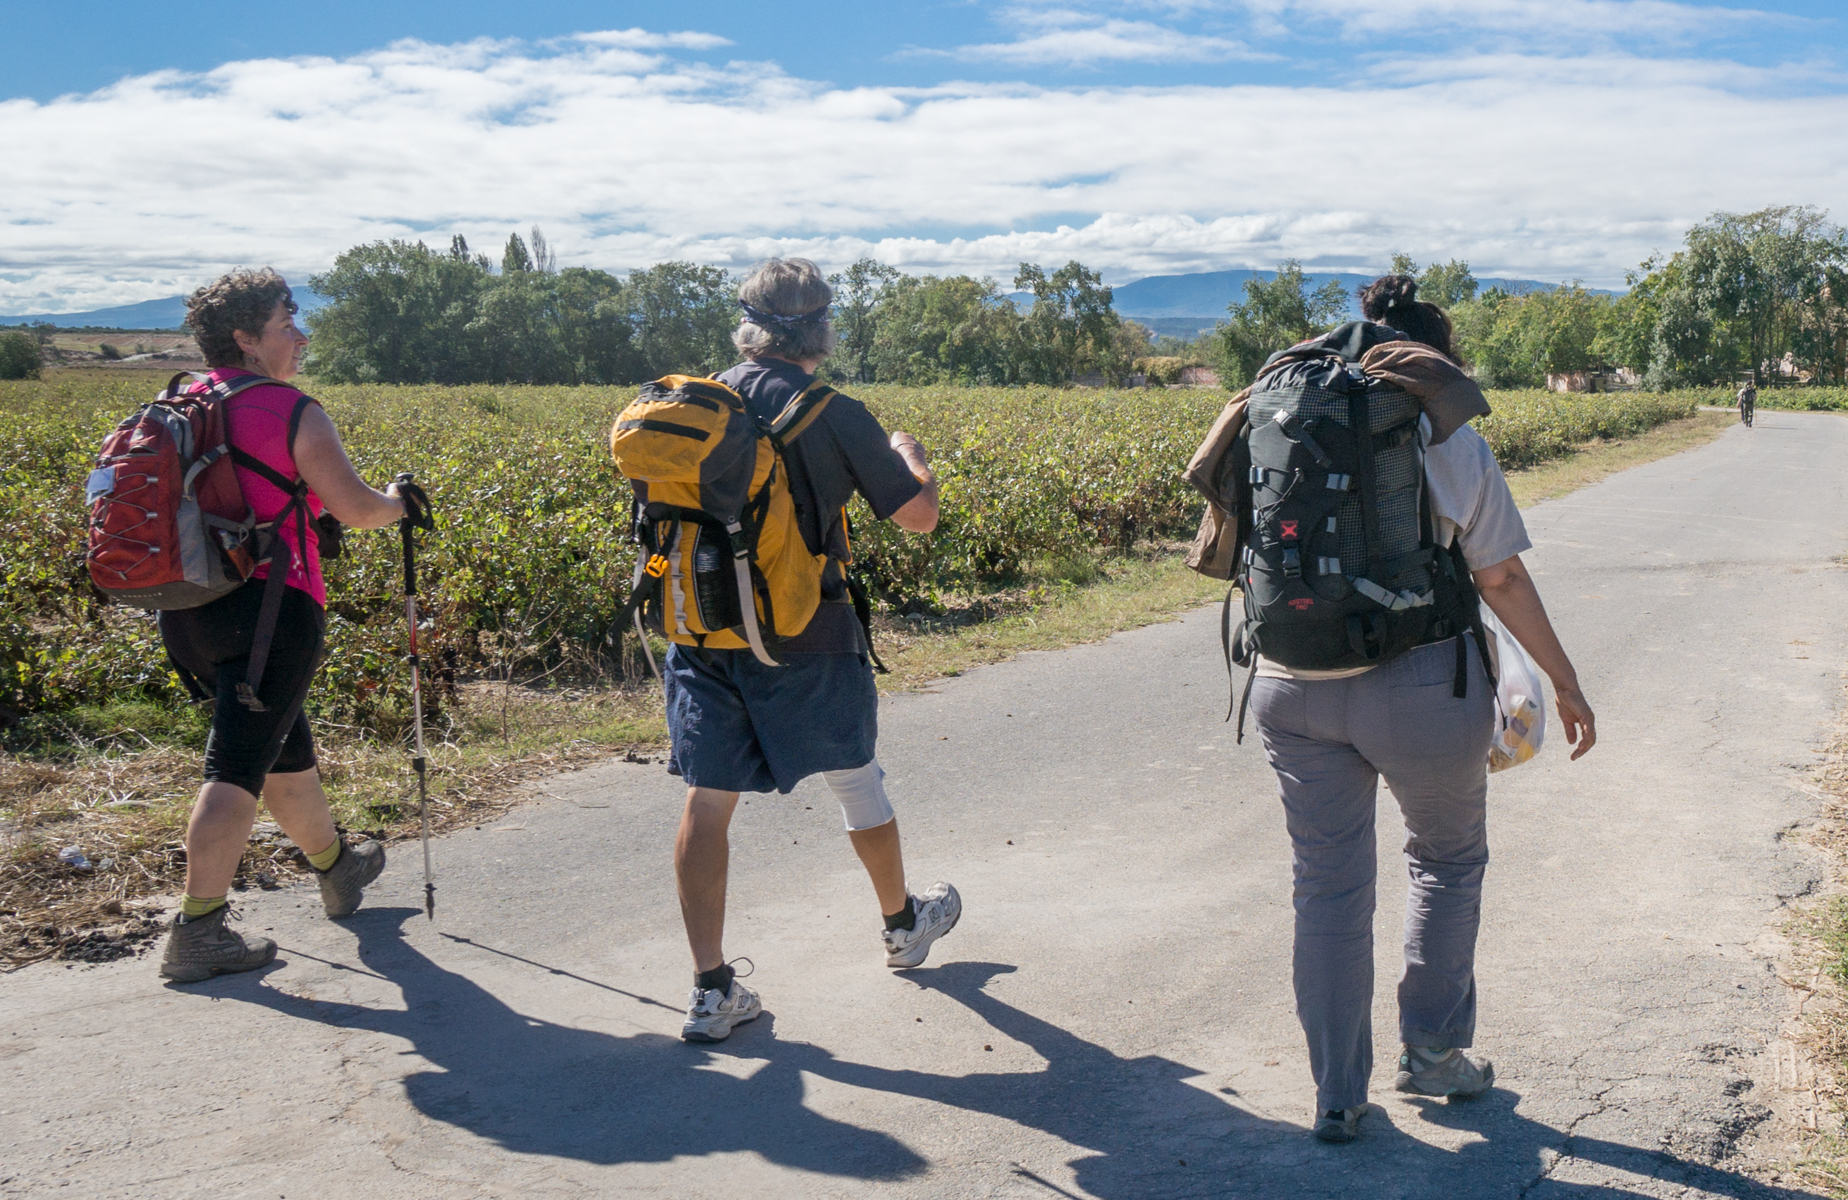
<point x="1329" y="742"/>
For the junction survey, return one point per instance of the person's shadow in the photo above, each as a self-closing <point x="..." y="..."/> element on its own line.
<point x="540" y="1088"/>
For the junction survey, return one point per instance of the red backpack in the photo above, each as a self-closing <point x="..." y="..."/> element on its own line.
<point x="169" y="525"/>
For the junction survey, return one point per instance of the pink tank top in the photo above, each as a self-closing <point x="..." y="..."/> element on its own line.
<point x="258" y="422"/>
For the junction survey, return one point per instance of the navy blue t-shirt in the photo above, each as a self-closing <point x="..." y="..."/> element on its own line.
<point x="844" y="451"/>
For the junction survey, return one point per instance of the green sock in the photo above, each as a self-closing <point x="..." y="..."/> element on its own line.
<point x="194" y="907"/>
<point x="326" y="858"/>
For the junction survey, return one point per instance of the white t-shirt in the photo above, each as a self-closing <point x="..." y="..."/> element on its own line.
<point x="1470" y="503"/>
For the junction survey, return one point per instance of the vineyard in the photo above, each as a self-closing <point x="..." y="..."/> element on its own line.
<point x="531" y="557"/>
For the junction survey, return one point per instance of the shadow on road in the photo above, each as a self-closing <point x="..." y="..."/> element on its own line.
<point x="539" y="1088"/>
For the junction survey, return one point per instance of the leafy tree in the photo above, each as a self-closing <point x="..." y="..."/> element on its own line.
<point x="399" y="312"/>
<point x="1484" y="336"/>
<point x="1275" y="315"/>
<point x="1627" y="336"/>
<point x="1131" y="341"/>
<point x="19" y="356"/>
<point x="1071" y="327"/>
<point x="1517" y="341"/>
<point x="1448" y="285"/>
<point x="1443" y="284"/>
<point x="859" y="293"/>
<point x="514" y="259"/>
<point x="516" y="332"/>
<point x="1747" y="289"/>
<point x="1821" y="338"/>
<point x="596" y="332"/>
<point x="954" y="330"/>
<point x="570" y="327"/>
<point x="683" y="315"/>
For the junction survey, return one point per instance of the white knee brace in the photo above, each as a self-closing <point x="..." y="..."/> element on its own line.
<point x="862" y="796"/>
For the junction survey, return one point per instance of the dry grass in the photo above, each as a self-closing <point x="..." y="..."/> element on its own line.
<point x="1597" y="459"/>
<point x="124" y="806"/>
<point x="1815" y="968"/>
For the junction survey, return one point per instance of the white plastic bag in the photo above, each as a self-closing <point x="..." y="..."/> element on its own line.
<point x="1518" y="699"/>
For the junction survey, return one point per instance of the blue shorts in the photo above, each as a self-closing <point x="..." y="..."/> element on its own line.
<point x="739" y="726"/>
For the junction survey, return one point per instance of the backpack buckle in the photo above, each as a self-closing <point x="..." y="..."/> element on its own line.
<point x="657" y="566"/>
<point x="1292" y="563"/>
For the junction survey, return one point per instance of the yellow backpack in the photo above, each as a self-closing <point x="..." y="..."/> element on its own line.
<point x="723" y="563"/>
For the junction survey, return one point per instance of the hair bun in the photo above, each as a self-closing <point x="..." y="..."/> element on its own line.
<point x="1398" y="290"/>
<point x="1388" y="293"/>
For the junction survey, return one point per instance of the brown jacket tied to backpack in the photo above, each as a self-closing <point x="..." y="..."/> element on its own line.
<point x="1449" y="397"/>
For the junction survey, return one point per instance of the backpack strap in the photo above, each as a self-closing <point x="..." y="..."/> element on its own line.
<point x="856" y="591"/>
<point x="863" y="612"/>
<point x="1360" y="424"/>
<point x="172" y="390"/>
<point x="280" y="556"/>
<point x="800" y="413"/>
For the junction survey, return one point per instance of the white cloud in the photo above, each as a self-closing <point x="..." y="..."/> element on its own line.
<point x="1550" y="21"/>
<point x="642" y="39"/>
<point x="626" y="157"/>
<point x="1074" y="41"/>
<point x="1652" y="19"/>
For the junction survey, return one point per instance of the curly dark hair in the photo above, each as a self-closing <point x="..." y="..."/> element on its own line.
<point x="243" y="299"/>
<point x="1393" y="300"/>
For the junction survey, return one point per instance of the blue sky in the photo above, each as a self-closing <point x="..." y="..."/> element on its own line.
<point x="80" y="47"/>
<point x="1547" y="138"/>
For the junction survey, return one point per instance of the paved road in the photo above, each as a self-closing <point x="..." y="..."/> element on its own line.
<point x="1113" y="1018"/>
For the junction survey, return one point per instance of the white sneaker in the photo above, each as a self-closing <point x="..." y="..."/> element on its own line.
<point x="711" y="1014"/>
<point x="939" y="908"/>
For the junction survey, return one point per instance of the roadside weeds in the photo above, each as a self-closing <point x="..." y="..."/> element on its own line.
<point x="1814" y="967"/>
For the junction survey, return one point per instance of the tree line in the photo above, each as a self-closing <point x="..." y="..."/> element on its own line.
<point x="400" y="312"/>
<point x="1756" y="295"/>
<point x="1760" y="296"/>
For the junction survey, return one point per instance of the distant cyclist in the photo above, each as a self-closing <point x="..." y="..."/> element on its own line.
<point x="1748" y="400"/>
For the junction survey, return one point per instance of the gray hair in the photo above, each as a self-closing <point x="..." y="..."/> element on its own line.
<point x="786" y="287"/>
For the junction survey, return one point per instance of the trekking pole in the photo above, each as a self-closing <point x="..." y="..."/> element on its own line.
<point x="417" y="516"/>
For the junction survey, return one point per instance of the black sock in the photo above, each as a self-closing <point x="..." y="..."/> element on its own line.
<point x="719" y="979"/>
<point x="904" y="918"/>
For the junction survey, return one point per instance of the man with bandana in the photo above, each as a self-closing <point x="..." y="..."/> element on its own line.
<point x="737" y="725"/>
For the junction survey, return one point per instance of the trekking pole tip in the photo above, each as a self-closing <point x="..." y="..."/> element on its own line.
<point x="430" y="901"/>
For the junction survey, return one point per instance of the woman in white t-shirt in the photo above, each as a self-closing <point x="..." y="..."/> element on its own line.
<point x="1331" y="735"/>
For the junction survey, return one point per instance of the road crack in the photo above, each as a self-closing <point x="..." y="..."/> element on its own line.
<point x="1565" y="1149"/>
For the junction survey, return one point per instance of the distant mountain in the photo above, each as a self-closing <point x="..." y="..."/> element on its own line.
<point x="1201" y="299"/>
<point x="149" y="314"/>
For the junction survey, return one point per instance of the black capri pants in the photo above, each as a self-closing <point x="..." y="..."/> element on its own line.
<point x="209" y="647"/>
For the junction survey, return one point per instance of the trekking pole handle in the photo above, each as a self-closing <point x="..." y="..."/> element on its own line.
<point x="406" y="524"/>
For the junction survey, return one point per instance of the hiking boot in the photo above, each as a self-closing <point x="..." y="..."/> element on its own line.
<point x="711" y="1014"/>
<point x="343" y="883"/>
<point x="201" y="947"/>
<point x="1431" y="1072"/>
<point x="1339" y="1124"/>
<point x="938" y="910"/>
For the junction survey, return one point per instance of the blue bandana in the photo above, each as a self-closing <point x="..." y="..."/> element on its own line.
<point x="758" y="316"/>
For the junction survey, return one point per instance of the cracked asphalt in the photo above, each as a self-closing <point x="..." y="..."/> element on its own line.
<point x="1113" y="1017"/>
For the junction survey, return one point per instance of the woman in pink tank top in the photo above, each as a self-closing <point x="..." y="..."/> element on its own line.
<point x="261" y="746"/>
<point x="258" y="420"/>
